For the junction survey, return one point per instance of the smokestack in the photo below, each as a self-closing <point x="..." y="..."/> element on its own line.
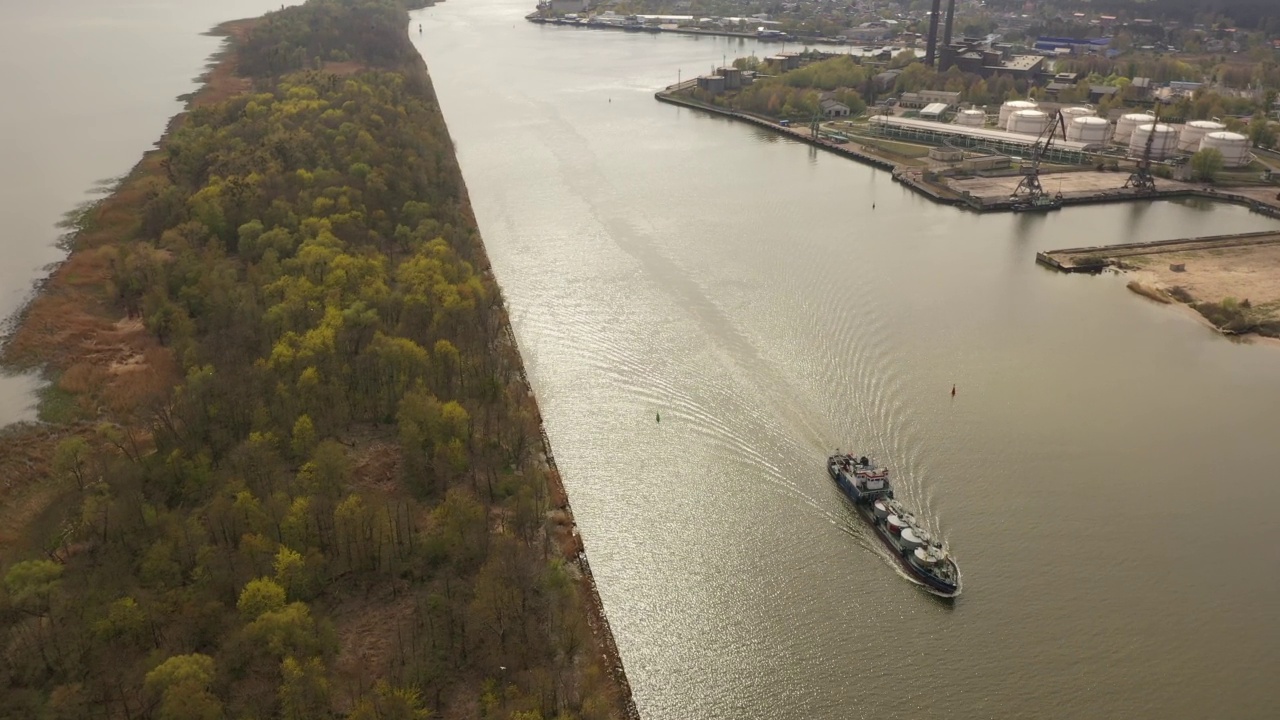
<point x="945" y="63"/>
<point x="951" y="18"/>
<point x="931" y="51"/>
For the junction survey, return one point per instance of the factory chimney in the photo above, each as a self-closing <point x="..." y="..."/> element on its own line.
<point x="951" y="18"/>
<point x="931" y="50"/>
<point x="946" y="53"/>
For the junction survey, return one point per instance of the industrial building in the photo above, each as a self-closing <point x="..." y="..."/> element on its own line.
<point x="925" y="98"/>
<point x="1008" y="143"/>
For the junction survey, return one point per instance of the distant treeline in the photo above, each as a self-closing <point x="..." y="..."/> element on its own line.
<point x="340" y="509"/>
<point x="1244" y="13"/>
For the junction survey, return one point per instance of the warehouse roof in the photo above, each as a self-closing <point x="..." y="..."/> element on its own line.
<point x="973" y="132"/>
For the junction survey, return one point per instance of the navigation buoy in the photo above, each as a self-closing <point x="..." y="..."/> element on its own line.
<point x="659" y="417"/>
<point x="953" y="391"/>
<point x="873" y="206"/>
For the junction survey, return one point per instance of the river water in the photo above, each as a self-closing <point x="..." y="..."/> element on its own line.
<point x="91" y="86"/>
<point x="1105" y="475"/>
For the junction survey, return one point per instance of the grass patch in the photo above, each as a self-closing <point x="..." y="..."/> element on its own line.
<point x="1230" y="316"/>
<point x="58" y="406"/>
<point x="903" y="150"/>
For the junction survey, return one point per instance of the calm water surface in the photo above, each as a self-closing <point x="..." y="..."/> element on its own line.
<point x="1106" y="475"/>
<point x="90" y="87"/>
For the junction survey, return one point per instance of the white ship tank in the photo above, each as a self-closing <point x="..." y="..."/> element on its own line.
<point x="1027" y="122"/>
<point x="881" y="510"/>
<point x="1088" y="129"/>
<point x="1164" y="140"/>
<point x="1233" y="146"/>
<point x="971" y="118"/>
<point x="1012" y="106"/>
<point x="913" y="538"/>
<point x="1194" y="131"/>
<point x="1128" y="123"/>
<point x="926" y="557"/>
<point x="895" y="525"/>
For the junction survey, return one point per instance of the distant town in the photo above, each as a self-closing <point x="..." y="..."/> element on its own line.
<point x="1200" y="66"/>
<point x="1024" y="108"/>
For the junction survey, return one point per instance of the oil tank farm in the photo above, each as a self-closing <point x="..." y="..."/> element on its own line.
<point x="1164" y="140"/>
<point x="1128" y="123"/>
<point x="1194" y="131"/>
<point x="1027" y="122"/>
<point x="1012" y="106"/>
<point x="1233" y="146"/>
<point x="1075" y="111"/>
<point x="1091" y="130"/>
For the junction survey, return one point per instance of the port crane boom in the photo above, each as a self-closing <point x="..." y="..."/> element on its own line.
<point x="1141" y="179"/>
<point x="1029" y="193"/>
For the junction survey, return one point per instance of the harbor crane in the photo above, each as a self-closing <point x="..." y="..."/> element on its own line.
<point x="1030" y="195"/>
<point x="1141" y="179"/>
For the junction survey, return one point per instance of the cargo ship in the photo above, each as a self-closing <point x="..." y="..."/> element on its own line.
<point x="923" y="557"/>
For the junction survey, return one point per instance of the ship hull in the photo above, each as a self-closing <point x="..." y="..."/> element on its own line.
<point x="862" y="505"/>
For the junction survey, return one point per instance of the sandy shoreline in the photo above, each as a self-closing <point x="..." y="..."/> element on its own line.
<point x="1231" y="283"/>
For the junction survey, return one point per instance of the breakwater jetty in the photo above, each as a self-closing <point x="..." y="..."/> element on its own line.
<point x="1092" y="259"/>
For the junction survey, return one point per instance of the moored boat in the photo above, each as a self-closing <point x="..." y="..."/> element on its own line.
<point x="923" y="557"/>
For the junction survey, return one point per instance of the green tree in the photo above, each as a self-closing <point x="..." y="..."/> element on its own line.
<point x="31" y="583"/>
<point x="182" y="684"/>
<point x="304" y="436"/>
<point x="260" y="596"/>
<point x="304" y="689"/>
<point x="389" y="702"/>
<point x="1206" y="164"/>
<point x="1261" y="132"/>
<point x="71" y="460"/>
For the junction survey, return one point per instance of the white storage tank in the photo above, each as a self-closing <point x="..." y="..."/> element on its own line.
<point x="1128" y="123"/>
<point x="1071" y="113"/>
<point x="971" y="118"/>
<point x="881" y="510"/>
<point x="1233" y="146"/>
<point x="1013" y="106"/>
<point x="1088" y="129"/>
<point x="1164" y="140"/>
<point x="1027" y="122"/>
<point x="1194" y="131"/>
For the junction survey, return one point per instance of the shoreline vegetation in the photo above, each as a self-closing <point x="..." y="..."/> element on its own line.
<point x="289" y="463"/>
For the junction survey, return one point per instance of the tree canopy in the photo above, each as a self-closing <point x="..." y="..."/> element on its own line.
<point x="339" y="509"/>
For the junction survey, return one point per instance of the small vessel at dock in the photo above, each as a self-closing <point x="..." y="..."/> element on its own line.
<point x="923" y="557"/>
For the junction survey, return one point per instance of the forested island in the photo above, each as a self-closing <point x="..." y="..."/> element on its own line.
<point x="289" y="465"/>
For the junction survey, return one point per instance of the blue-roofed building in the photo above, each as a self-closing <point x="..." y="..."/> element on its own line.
<point x="1077" y="46"/>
